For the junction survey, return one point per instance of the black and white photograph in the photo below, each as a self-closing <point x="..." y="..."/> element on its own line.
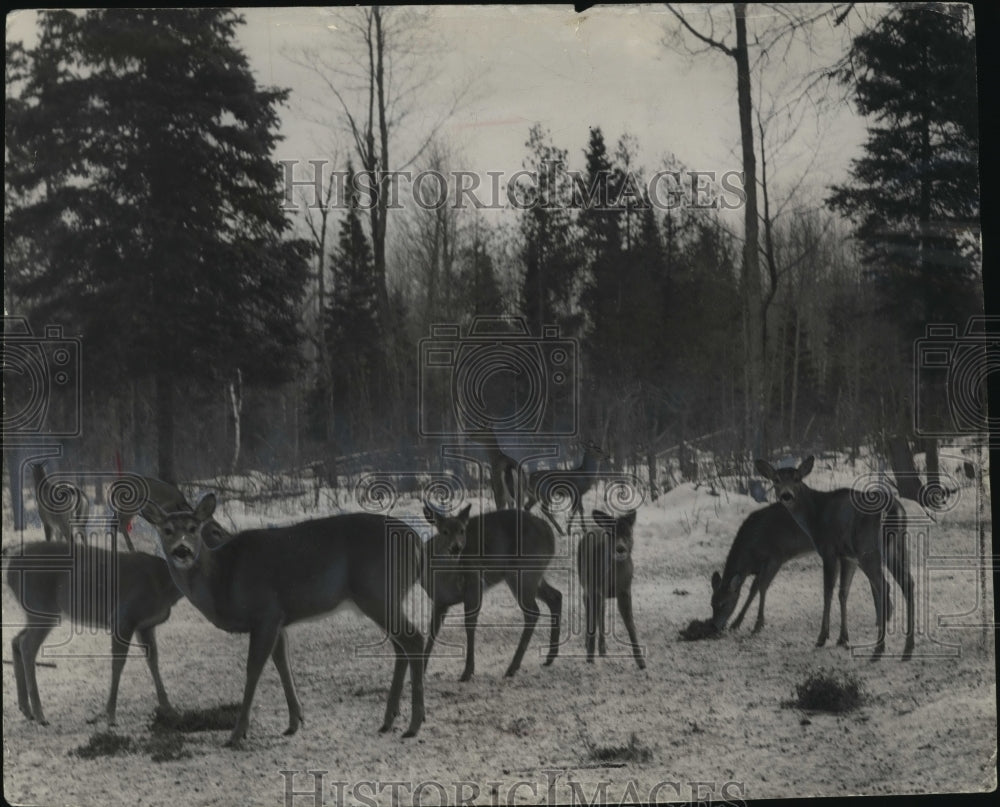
<point x="494" y="405"/>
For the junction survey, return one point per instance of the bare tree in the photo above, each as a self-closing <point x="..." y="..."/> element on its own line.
<point x="377" y="78"/>
<point x="776" y="34"/>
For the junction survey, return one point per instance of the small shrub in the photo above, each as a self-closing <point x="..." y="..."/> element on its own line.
<point x="521" y="726"/>
<point x="633" y="751"/>
<point x="830" y="691"/>
<point x="105" y="744"/>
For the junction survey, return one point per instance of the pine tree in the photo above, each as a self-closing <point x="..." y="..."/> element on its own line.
<point x="352" y="327"/>
<point x="143" y="145"/>
<point x="915" y="193"/>
<point x="549" y="252"/>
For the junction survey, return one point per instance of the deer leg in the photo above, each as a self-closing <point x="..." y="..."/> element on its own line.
<point x="409" y="648"/>
<point x="473" y="601"/>
<point x="602" y="611"/>
<point x="148" y="637"/>
<point x="119" y="655"/>
<point x="829" y="578"/>
<point x="847" y="569"/>
<point x="123" y="524"/>
<point x="754" y="586"/>
<point x="871" y="565"/>
<point x="48" y="530"/>
<point x="552" y="598"/>
<point x="764" y="579"/>
<point x="524" y="591"/>
<point x="263" y="638"/>
<point x="280" y="657"/>
<point x="31" y="641"/>
<point x="22" y="686"/>
<point x="590" y="596"/>
<point x="625" y="609"/>
<point x="899" y="568"/>
<point x="437" y="617"/>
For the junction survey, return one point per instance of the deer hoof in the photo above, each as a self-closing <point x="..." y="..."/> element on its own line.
<point x="641" y="663"/>
<point x="236" y="739"/>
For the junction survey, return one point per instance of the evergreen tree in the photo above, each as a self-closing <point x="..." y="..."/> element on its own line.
<point x="352" y="328"/>
<point x="915" y="194"/>
<point x="549" y="252"/>
<point x="143" y="146"/>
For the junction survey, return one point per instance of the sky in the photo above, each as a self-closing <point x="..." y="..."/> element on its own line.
<point x="622" y="68"/>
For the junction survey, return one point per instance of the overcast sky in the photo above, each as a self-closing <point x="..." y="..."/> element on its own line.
<point x="611" y="67"/>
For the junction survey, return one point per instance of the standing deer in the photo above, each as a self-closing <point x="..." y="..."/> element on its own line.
<point x="604" y="561"/>
<point x="92" y="587"/>
<point x="59" y="504"/>
<point x="765" y="541"/>
<point x="146" y="489"/>
<point x="261" y="581"/>
<point x="503" y="470"/>
<point x="840" y="530"/>
<point x="575" y="481"/>
<point x="465" y="557"/>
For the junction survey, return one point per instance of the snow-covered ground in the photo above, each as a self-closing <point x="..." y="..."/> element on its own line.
<point x="713" y="714"/>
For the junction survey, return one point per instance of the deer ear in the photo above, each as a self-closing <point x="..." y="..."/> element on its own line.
<point x="153" y="513"/>
<point x="630" y="518"/>
<point x="205" y="508"/>
<point x="604" y="521"/>
<point x="716" y="581"/>
<point x="430" y="515"/>
<point x="464" y="512"/>
<point x="764" y="469"/>
<point x="806" y="467"/>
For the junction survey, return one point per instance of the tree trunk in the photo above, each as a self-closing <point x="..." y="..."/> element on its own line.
<point x="753" y="345"/>
<point x="165" y="427"/>
<point x="236" y="404"/>
<point x="795" y="377"/>
<point x="901" y="459"/>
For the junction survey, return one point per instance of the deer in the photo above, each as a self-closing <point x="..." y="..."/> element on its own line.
<point x="59" y="504"/>
<point x="765" y="541"/>
<point x="839" y="529"/>
<point x="578" y="480"/>
<point x="503" y="470"/>
<point x="263" y="580"/>
<point x="466" y="556"/>
<point x="604" y="562"/>
<point x="122" y="593"/>
<point x="147" y="489"/>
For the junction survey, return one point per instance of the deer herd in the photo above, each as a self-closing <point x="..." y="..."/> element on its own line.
<point x="260" y="581"/>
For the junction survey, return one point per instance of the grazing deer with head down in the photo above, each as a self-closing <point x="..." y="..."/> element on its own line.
<point x="261" y="581"/>
<point x="839" y="529"/>
<point x="604" y="561"/>
<point x="465" y="557"/>
<point x="765" y="541"/>
<point x="59" y="504"/>
<point x="124" y="593"/>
